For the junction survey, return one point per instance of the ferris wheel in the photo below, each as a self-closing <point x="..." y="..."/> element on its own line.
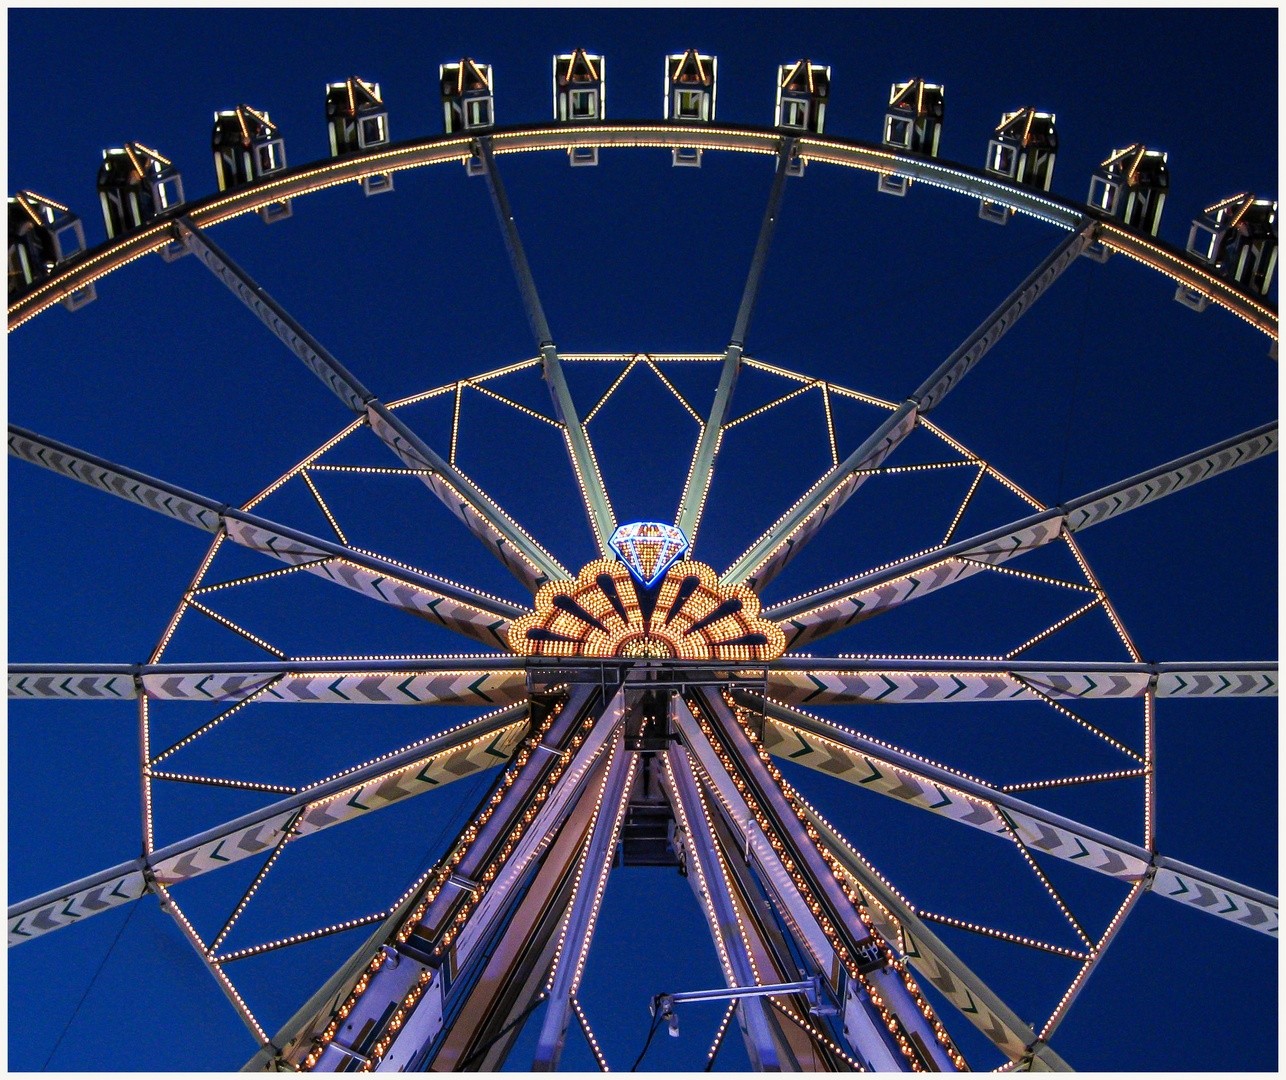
<point x="644" y="708"/>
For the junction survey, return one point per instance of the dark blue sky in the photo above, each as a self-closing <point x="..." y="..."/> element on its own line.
<point x="1105" y="377"/>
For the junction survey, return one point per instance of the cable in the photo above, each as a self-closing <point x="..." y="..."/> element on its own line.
<point x="656" y="1023"/>
<point x="464" y="1065"/>
<point x="446" y="820"/>
<point x="67" y="1026"/>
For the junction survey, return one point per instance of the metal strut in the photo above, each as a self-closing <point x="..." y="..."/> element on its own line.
<point x="597" y="505"/>
<point x="454" y="606"/>
<point x="693" y="500"/>
<point x="766" y="557"/>
<point x="467" y="749"/>
<point x="758" y="1027"/>
<point x="495" y="680"/>
<point x="855" y="759"/>
<point x="578" y="927"/>
<point x="807" y="618"/>
<point x="531" y="564"/>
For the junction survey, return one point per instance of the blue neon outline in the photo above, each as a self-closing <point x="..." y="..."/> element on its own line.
<point x="680" y="551"/>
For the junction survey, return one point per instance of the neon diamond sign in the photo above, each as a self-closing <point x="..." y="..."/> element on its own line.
<point x="648" y="548"/>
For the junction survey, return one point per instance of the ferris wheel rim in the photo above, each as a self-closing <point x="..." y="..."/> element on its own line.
<point x="969" y="181"/>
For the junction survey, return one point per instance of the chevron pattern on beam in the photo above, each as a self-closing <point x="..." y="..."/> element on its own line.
<point x="481" y="753"/>
<point x="890" y="592"/>
<point x="984" y="1019"/>
<point x="419" y="776"/>
<point x="490" y="688"/>
<point x="73" y="685"/>
<point x="1157" y="486"/>
<point x="848" y="687"/>
<point x="785" y="741"/>
<point x="68" y="909"/>
<point x="452" y="614"/>
<point x="1226" y="903"/>
<point x="1173" y="684"/>
<point x="126" y="487"/>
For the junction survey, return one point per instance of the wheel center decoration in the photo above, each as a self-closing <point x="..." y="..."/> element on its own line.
<point x="652" y="604"/>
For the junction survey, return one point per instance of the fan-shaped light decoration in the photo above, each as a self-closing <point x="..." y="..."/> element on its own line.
<point x="687" y="615"/>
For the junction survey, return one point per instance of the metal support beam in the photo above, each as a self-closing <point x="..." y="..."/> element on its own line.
<point x="590" y="481"/>
<point x="851" y="757"/>
<point x="737" y="770"/>
<point x="758" y="1026"/>
<point x="937" y="963"/>
<point x="489" y="1000"/>
<point x="526" y="559"/>
<point x="484" y="683"/>
<point x="478" y="744"/>
<point x="979" y="343"/>
<point x="766" y="557"/>
<point x="455" y="929"/>
<point x="773" y="943"/>
<point x="577" y="930"/>
<point x="692" y="502"/>
<point x="453" y="606"/>
<point x="824" y="611"/>
<point x="512" y="984"/>
<point x="842" y="682"/>
<point x="503" y="679"/>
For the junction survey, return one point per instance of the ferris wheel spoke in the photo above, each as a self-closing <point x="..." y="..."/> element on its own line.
<point x="934" y="960"/>
<point x="542" y="805"/>
<point x="494" y="680"/>
<point x="453" y="606"/>
<point x="588" y="477"/>
<point x="526" y="559"/>
<point x="577" y="929"/>
<point x="853" y="758"/>
<point x="711" y="881"/>
<point x="765" y="558"/>
<point x="771" y="826"/>
<point x="835" y="607"/>
<point x="695" y="488"/>
<point x="915" y="680"/>
<point x="477" y="681"/>
<point x="431" y="763"/>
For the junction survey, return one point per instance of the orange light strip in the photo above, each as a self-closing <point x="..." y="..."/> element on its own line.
<point x="334" y="524"/>
<point x="216" y="721"/>
<point x="237" y="629"/>
<point x="1058" y="707"/>
<point x="1068" y="781"/>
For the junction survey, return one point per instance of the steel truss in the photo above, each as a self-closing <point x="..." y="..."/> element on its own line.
<point x="499" y="928"/>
